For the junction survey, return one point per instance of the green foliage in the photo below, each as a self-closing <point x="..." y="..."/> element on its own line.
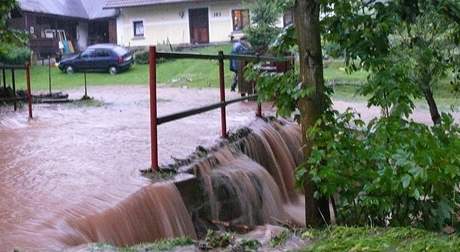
<point x="264" y="16"/>
<point x="163" y="245"/>
<point x="216" y="239"/>
<point x="382" y="239"/>
<point x="282" y="89"/>
<point x="286" y="41"/>
<point x="250" y="245"/>
<point x="393" y="172"/>
<point x="419" y="36"/>
<point x="280" y="239"/>
<point x="15" y="55"/>
<point x="142" y="58"/>
<point x="9" y="39"/>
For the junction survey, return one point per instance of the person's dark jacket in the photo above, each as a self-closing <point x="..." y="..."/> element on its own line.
<point x="238" y="48"/>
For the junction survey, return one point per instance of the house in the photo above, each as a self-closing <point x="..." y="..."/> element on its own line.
<point x="64" y="25"/>
<point x="152" y="22"/>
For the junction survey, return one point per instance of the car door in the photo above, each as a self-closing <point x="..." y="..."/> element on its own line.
<point x="86" y="60"/>
<point x="103" y="59"/>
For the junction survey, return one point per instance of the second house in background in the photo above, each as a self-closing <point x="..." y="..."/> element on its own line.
<point x="147" y="22"/>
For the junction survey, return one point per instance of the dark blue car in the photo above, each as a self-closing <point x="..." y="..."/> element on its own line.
<point x="100" y="57"/>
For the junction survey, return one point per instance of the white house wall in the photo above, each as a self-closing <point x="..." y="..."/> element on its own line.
<point x="82" y="35"/>
<point x="164" y="22"/>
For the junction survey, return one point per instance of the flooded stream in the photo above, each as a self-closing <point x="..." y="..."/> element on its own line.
<point x="73" y="161"/>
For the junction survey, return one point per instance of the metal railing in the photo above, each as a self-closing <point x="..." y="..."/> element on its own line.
<point x="15" y="99"/>
<point x="220" y="57"/>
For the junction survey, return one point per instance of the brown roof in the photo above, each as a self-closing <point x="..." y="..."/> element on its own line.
<point x="110" y="4"/>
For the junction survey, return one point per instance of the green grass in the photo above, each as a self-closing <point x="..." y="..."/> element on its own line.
<point x="164" y="245"/>
<point x="191" y="73"/>
<point x="333" y="239"/>
<point x="380" y="239"/>
<point x="204" y="73"/>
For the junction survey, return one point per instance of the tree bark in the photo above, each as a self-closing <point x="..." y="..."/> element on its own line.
<point x="435" y="116"/>
<point x="311" y="75"/>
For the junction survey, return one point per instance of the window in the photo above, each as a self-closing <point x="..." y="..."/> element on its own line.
<point x="102" y="53"/>
<point x="88" y="53"/>
<point x="138" y="28"/>
<point x="240" y="19"/>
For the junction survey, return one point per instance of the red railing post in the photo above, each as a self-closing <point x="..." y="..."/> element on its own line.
<point x="29" y="90"/>
<point x="223" y="113"/>
<point x="153" y="107"/>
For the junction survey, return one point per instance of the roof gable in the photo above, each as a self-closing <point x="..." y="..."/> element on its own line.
<point x="110" y="4"/>
<point x="85" y="9"/>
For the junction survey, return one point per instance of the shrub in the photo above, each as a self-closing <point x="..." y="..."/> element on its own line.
<point x="393" y="172"/>
<point x="15" y="55"/>
<point x="142" y="58"/>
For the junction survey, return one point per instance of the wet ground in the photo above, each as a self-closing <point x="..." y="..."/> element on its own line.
<point x="73" y="160"/>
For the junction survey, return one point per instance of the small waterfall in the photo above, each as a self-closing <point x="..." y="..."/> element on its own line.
<point x="241" y="191"/>
<point x="155" y="212"/>
<point x="251" y="181"/>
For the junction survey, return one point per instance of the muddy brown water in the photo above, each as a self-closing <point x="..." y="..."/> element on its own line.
<point x="71" y="175"/>
<point x="72" y="161"/>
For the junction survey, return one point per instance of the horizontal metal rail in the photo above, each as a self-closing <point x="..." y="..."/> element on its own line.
<point x="200" y="110"/>
<point x="252" y="58"/>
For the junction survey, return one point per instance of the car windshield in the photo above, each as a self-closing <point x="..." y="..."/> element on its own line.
<point x="120" y="50"/>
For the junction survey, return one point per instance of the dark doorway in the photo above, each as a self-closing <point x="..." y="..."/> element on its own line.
<point x="199" y="26"/>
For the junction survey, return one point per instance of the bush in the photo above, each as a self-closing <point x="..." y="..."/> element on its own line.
<point x="142" y="58"/>
<point x="15" y="55"/>
<point x="393" y="173"/>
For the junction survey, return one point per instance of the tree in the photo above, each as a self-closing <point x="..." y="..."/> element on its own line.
<point x="9" y="39"/>
<point x="417" y="39"/>
<point x="316" y="101"/>
<point x="264" y="17"/>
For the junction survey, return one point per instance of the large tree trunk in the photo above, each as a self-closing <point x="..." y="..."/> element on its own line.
<point x="311" y="71"/>
<point x="435" y="116"/>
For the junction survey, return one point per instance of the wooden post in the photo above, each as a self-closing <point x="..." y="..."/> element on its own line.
<point x="223" y="113"/>
<point x="259" y="109"/>
<point x="4" y="78"/>
<point x="49" y="74"/>
<point x="29" y="90"/>
<point x="153" y="108"/>
<point x="13" y="83"/>
<point x="86" y="89"/>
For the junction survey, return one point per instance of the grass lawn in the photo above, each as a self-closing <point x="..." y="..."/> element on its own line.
<point x="204" y="73"/>
<point x="192" y="73"/>
<point x="381" y="239"/>
<point x="329" y="240"/>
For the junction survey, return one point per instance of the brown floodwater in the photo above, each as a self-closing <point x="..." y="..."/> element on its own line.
<point x="75" y="161"/>
<point x="71" y="175"/>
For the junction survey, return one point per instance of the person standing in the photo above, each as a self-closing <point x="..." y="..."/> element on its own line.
<point x="242" y="46"/>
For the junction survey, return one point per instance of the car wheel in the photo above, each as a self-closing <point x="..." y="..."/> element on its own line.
<point x="113" y="70"/>
<point x="69" y="70"/>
